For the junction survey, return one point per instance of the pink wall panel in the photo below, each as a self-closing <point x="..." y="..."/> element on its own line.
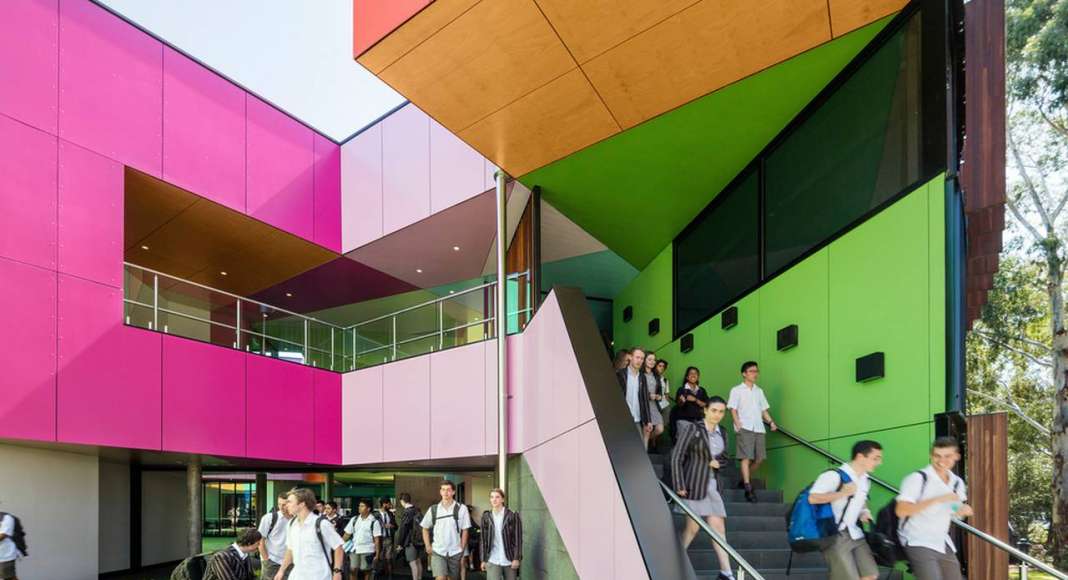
<point x="406" y="408"/>
<point x="327" y="193"/>
<point x="490" y="176"/>
<point x="280" y="186"/>
<point x="29" y="35"/>
<point x="109" y="382"/>
<point x="280" y="422"/>
<point x="458" y="401"/>
<point x="90" y="215"/>
<point x="203" y="131"/>
<point x="27" y="193"/>
<point x="457" y="172"/>
<point x="110" y="86"/>
<point x="595" y="472"/>
<point x="327" y="416"/>
<point x="28" y="382"/>
<point x="556" y="469"/>
<point x="405" y="168"/>
<point x="361" y="416"/>
<point x="629" y="564"/>
<point x="361" y="189"/>
<point x="489" y="428"/>
<point x="203" y="398"/>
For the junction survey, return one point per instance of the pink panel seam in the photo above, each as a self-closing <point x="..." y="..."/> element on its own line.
<point x="561" y="434"/>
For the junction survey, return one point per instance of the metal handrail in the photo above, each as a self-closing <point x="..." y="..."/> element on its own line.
<point x="960" y="524"/>
<point x="718" y="539"/>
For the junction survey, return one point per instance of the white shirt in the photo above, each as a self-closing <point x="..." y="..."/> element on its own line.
<point x="497" y="555"/>
<point x="8" y="551"/>
<point x="240" y="552"/>
<point x="828" y="482"/>
<point x="274" y="538"/>
<point x="751" y="404"/>
<point x="930" y="527"/>
<point x="632" y="395"/>
<point x="446" y="540"/>
<point x="309" y="562"/>
<point x="364" y="531"/>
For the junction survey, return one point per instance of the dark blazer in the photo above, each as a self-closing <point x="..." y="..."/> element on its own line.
<point x="227" y="564"/>
<point x="643" y="393"/>
<point x="409" y="522"/>
<point x="687" y="410"/>
<point x="690" y="458"/>
<point x="512" y="534"/>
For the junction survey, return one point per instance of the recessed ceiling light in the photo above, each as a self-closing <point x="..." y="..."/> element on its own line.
<point x="456" y="248"/>
<point x="224" y="273"/>
<point x="144" y="247"/>
<point x="265" y="315"/>
<point x="418" y="270"/>
<point x="452" y="291"/>
<point x="289" y="294"/>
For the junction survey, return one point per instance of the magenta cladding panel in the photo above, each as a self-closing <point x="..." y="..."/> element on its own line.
<point x="109" y="382"/>
<point x="327" y="193"/>
<point x="90" y="215"/>
<point x="457" y="401"/>
<point x="203" y="398"/>
<point x="27" y="193"/>
<point x="361" y="189"/>
<point x="203" y="131"/>
<point x="327" y="417"/>
<point x="457" y="172"/>
<point x="406" y="407"/>
<point x="280" y="186"/>
<point x="110" y="86"/>
<point x="405" y="168"/>
<point x="28" y="384"/>
<point x="29" y="41"/>
<point x="362" y="416"/>
<point x="281" y="423"/>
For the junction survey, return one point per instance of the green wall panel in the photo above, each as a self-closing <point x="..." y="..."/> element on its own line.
<point x="651" y="298"/>
<point x="936" y="213"/>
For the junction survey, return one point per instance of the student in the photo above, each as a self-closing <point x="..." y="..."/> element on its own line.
<point x="635" y="388"/>
<point x="320" y="507"/>
<point x="665" y="388"/>
<point x="9" y="552"/>
<point x="311" y="560"/>
<point x="695" y="463"/>
<point x="474" y="537"/>
<point x="749" y="409"/>
<point x="445" y="528"/>
<point x="232" y="563"/>
<point x="690" y="401"/>
<point x="928" y="501"/>
<point x="655" y="386"/>
<point x="621" y="361"/>
<point x="389" y="528"/>
<point x="333" y="515"/>
<point x="407" y="534"/>
<point x="502" y="540"/>
<point x="365" y="531"/>
<point x="273" y="547"/>
<point x="849" y="557"/>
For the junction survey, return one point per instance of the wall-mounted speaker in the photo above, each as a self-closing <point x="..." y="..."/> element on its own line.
<point x="628" y="313"/>
<point x="786" y="338"/>
<point x="729" y="318"/>
<point x="654" y="326"/>
<point x="871" y="367"/>
<point x="686" y="344"/>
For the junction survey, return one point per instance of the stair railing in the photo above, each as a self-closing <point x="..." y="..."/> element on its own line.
<point x="1024" y="557"/>
<point x="745" y="566"/>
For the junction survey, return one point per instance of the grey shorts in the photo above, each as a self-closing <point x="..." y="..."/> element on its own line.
<point x="750" y="445"/>
<point x="7" y="569"/>
<point x="849" y="559"/>
<point x="928" y="564"/>
<point x="361" y="562"/>
<point x="495" y="572"/>
<point x="445" y="566"/>
<point x="268" y="569"/>
<point x="411" y="554"/>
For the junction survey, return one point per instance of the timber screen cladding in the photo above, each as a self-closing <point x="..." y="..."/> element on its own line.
<point x="871" y="136"/>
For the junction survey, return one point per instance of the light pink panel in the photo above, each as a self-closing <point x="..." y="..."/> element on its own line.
<point x="203" y="131"/>
<point x="280" y="186"/>
<point x="490" y="175"/>
<point x="361" y="416"/>
<point x="90" y="215"/>
<point x="110" y="86"/>
<point x="327" y="193"/>
<point x="361" y="189"/>
<point x="489" y="428"/>
<point x="28" y="383"/>
<point x="27" y="193"/>
<point x="457" y="172"/>
<point x="407" y="411"/>
<point x="29" y="35"/>
<point x="595" y="472"/>
<point x="109" y="383"/>
<point x="630" y="565"/>
<point x="555" y="465"/>
<point x="405" y="168"/>
<point x="327" y="416"/>
<point x="281" y="422"/>
<point x="203" y="398"/>
<point x="455" y="394"/>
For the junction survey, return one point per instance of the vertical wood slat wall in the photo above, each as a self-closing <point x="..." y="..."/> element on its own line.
<point x="988" y="494"/>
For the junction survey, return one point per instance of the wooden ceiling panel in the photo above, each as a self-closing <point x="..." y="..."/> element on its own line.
<point x="549" y="123"/>
<point x="149" y="204"/>
<point x="490" y="56"/>
<point x="703" y="48"/>
<point x="849" y="15"/>
<point x="419" y="28"/>
<point x="591" y="27"/>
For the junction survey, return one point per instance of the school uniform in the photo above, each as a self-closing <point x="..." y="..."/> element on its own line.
<point x="636" y="391"/>
<point x="8" y="552"/>
<point x="229" y="564"/>
<point x="363" y="530"/>
<point x="690" y="470"/>
<point x="309" y="560"/>
<point x="685" y="410"/>
<point x="273" y="529"/>
<point x="445" y="547"/>
<point x="406" y="534"/>
<point x="925" y="534"/>
<point x="849" y="557"/>
<point x="654" y="387"/>
<point x="750" y="403"/>
<point x="502" y="543"/>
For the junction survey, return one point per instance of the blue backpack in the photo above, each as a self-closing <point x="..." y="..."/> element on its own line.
<point x="813" y="527"/>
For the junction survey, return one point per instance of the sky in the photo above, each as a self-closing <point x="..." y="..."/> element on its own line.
<point x="295" y="54"/>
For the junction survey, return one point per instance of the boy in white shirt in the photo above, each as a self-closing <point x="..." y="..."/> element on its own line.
<point x="749" y="409"/>
<point x="366" y="532"/>
<point x="445" y="528"/>
<point x="849" y="557"/>
<point x="272" y="548"/>
<point x="928" y="501"/>
<point x="311" y="559"/>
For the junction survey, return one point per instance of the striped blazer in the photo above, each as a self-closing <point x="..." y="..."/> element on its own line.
<point x="643" y="393"/>
<point x="690" y="458"/>
<point x="227" y="564"/>
<point x="511" y="533"/>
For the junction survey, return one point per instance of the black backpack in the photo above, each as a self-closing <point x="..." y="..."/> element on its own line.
<point x="434" y="518"/>
<point x="192" y="568"/>
<point x="885" y="539"/>
<point x="415" y="538"/>
<point x="19" y="535"/>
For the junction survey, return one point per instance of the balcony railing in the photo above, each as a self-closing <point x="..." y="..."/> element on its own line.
<point x="171" y="305"/>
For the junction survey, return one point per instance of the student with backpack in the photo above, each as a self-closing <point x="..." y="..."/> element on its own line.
<point x="926" y="505"/>
<point x="12" y="545"/>
<point x="501" y="549"/>
<point x="232" y="563"/>
<point x="365" y="531"/>
<point x="389" y="529"/>
<point x="312" y="545"/>
<point x="636" y="391"/>
<point x="273" y="547"/>
<point x="409" y="538"/>
<point x="749" y="410"/>
<point x="445" y="527"/>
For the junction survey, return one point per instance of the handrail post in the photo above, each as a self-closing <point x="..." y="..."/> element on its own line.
<point x="237" y="327"/>
<point x="155" y="302"/>
<point x="353" y="348"/>
<point x="331" y="349"/>
<point x="1023" y="570"/>
<point x="306" y="341"/>
<point x="393" y="337"/>
<point x="441" y="324"/>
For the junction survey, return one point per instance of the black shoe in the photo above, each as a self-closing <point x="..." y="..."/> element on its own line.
<point x="750" y="495"/>
<point x="723" y="576"/>
<point x="741" y="484"/>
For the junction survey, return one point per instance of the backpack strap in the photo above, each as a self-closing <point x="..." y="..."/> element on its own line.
<point x="274" y="520"/>
<point x="842" y="476"/>
<point x="322" y="543"/>
<point x="923" y="486"/>
<point x="456" y="516"/>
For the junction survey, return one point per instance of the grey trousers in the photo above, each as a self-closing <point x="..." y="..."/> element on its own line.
<point x="928" y="564"/>
<point x="268" y="569"/>
<point x="495" y="572"/>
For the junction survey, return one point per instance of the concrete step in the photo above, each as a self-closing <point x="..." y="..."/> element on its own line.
<point x="795" y="574"/>
<point x="755" y="523"/>
<point x="763" y="496"/>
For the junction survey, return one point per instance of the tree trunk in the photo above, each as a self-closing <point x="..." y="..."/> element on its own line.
<point x="1059" y="444"/>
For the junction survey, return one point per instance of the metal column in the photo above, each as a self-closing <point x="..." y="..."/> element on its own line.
<point x="501" y="322"/>
<point x="193" y="472"/>
<point x="328" y="487"/>
<point x="262" y="503"/>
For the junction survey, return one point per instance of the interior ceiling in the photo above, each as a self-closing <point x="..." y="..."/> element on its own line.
<point x="527" y="82"/>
